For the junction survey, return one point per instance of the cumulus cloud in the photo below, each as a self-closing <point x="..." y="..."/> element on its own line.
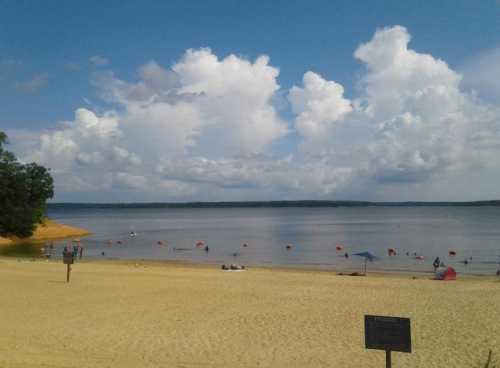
<point x="411" y="121"/>
<point x="259" y="172"/>
<point x="320" y="104"/>
<point x="203" y="106"/>
<point x="208" y="128"/>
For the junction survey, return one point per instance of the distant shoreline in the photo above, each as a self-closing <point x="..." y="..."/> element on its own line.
<point x="271" y="204"/>
<point x="49" y="230"/>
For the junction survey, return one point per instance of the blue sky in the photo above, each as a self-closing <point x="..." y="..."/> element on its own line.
<point x="46" y="74"/>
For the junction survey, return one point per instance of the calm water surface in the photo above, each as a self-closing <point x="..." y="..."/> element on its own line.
<point x="314" y="232"/>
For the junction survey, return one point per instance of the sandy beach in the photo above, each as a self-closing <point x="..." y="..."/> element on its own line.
<point x="167" y="315"/>
<point x="49" y="230"/>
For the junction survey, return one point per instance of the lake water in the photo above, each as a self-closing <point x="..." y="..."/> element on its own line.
<point x="313" y="232"/>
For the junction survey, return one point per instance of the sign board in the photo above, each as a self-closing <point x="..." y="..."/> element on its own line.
<point x="388" y="333"/>
<point x="68" y="258"/>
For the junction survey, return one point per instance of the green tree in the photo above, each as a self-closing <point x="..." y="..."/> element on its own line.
<point x="24" y="190"/>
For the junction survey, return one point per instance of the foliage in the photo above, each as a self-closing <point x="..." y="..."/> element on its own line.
<point x="24" y="190"/>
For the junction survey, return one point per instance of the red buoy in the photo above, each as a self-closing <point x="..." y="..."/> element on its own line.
<point x="452" y="253"/>
<point x="339" y="247"/>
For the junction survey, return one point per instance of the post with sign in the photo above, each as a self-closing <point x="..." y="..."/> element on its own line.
<point x="68" y="260"/>
<point x="388" y="334"/>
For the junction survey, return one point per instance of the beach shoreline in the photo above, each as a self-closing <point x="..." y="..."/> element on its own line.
<point x="48" y="230"/>
<point x="331" y="269"/>
<point x="166" y="263"/>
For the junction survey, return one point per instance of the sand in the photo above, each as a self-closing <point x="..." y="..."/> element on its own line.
<point x="50" y="229"/>
<point x="164" y="315"/>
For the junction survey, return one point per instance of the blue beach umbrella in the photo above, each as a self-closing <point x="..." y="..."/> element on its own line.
<point x="368" y="256"/>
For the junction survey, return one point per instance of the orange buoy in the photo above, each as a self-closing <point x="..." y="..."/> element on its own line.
<point x="200" y="243"/>
<point x="339" y="247"/>
<point x="452" y="253"/>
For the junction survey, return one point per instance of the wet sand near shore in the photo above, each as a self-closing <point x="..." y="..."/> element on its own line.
<point x="133" y="314"/>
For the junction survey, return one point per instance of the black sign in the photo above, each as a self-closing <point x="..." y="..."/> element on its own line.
<point x="68" y="258"/>
<point x="388" y="333"/>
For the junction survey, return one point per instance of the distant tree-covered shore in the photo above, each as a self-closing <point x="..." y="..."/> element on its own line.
<point x="270" y="204"/>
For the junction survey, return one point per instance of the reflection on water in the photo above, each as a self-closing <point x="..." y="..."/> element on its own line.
<point x="171" y="234"/>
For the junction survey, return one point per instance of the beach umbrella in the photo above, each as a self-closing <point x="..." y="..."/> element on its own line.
<point x="368" y="256"/>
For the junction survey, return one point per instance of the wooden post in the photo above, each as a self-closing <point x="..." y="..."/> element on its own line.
<point x="388" y="359"/>
<point x="68" y="270"/>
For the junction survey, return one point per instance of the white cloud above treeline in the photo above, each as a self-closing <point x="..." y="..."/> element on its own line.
<point x="208" y="127"/>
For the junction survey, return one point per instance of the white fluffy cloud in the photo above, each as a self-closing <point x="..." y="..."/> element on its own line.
<point x="410" y="122"/>
<point x="207" y="128"/>
<point x="320" y="104"/>
<point x="260" y="172"/>
<point x="202" y="106"/>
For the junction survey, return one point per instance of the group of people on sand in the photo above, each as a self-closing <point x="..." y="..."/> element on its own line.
<point x="48" y="250"/>
<point x="232" y="267"/>
<point x="75" y="250"/>
<point x="439" y="264"/>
